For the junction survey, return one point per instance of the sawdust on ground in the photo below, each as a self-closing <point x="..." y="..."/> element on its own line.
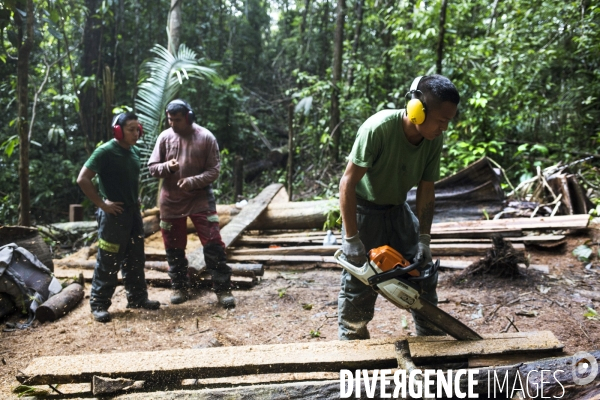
<point x="299" y="304"/>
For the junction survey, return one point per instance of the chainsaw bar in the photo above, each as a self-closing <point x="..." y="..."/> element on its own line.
<point x="440" y="319"/>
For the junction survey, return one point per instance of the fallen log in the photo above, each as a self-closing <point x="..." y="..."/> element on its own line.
<point x="249" y="270"/>
<point x="30" y="239"/>
<point x="60" y="304"/>
<point x="158" y="279"/>
<point x="294" y="215"/>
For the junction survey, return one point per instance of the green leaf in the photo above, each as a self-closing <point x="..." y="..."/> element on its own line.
<point x="583" y="253"/>
<point x="590" y="313"/>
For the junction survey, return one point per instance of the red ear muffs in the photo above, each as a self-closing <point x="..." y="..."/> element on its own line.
<point x="118" y="130"/>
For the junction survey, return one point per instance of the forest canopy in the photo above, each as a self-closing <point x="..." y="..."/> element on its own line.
<point x="528" y="73"/>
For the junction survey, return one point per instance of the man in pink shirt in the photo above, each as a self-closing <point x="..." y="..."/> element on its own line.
<point x="186" y="156"/>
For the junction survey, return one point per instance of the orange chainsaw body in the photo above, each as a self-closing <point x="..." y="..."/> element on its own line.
<point x="387" y="258"/>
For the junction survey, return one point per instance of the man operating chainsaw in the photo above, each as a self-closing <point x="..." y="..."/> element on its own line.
<point x="394" y="151"/>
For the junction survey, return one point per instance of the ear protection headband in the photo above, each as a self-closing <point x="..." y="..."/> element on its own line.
<point x="117" y="127"/>
<point x="415" y="107"/>
<point x="189" y="116"/>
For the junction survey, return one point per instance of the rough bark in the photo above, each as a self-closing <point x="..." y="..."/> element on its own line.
<point x="335" y="129"/>
<point x="25" y="47"/>
<point x="356" y="41"/>
<point x="175" y="19"/>
<point x="60" y="304"/>
<point x="90" y="64"/>
<point x="442" y="32"/>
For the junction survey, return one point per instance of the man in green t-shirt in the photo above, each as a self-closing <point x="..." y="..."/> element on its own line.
<point x="392" y="153"/>
<point x="120" y="228"/>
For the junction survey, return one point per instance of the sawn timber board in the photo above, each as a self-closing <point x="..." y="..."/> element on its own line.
<point x="177" y="365"/>
<point x="429" y="348"/>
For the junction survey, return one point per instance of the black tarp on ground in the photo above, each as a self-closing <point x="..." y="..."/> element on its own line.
<point x="466" y="194"/>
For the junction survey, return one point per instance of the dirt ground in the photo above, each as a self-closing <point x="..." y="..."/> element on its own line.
<point x="290" y="302"/>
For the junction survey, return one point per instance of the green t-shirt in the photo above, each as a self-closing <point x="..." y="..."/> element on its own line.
<point x="118" y="171"/>
<point x="394" y="164"/>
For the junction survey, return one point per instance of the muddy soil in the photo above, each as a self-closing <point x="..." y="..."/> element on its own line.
<point x="299" y="304"/>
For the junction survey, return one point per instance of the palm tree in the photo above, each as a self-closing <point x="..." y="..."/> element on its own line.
<point x="165" y="75"/>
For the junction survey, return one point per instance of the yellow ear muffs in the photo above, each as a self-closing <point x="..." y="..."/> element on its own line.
<point x="416" y="111"/>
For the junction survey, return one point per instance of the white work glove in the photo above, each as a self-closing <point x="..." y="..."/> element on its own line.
<point x="354" y="250"/>
<point x="423" y="256"/>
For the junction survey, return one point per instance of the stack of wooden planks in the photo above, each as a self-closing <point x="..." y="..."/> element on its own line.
<point x="246" y="244"/>
<point x="466" y="238"/>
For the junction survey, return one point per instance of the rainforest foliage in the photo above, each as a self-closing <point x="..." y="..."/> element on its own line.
<point x="528" y="73"/>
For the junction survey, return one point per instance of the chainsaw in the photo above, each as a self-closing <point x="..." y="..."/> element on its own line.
<point x="392" y="276"/>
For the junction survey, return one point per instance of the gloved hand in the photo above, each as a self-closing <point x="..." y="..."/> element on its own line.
<point x="423" y="256"/>
<point x="354" y="250"/>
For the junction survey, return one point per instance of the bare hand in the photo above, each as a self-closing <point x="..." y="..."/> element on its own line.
<point x="113" y="208"/>
<point x="184" y="184"/>
<point x="173" y="165"/>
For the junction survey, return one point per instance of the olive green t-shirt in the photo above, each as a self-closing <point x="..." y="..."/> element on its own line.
<point x="394" y="164"/>
<point x="118" y="171"/>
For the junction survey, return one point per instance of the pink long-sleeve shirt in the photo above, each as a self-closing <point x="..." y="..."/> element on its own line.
<point x="199" y="162"/>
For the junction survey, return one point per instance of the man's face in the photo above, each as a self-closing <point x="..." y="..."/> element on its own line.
<point x="178" y="122"/>
<point x="131" y="132"/>
<point x="438" y="118"/>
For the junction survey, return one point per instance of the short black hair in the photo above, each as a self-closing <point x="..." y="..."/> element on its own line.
<point x="122" y="118"/>
<point x="178" y="106"/>
<point x="440" y="88"/>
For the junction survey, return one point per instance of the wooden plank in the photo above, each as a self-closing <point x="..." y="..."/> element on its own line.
<point x="557" y="222"/>
<point x="282" y="259"/>
<point x="250" y="270"/>
<point x="176" y="365"/>
<point x="425" y="349"/>
<point x="465" y="249"/>
<point x="238" y="223"/>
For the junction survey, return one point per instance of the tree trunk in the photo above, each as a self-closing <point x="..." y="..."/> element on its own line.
<point x="25" y="47"/>
<point x="386" y="37"/>
<point x="175" y="25"/>
<point x="338" y="48"/>
<point x="325" y="40"/>
<point x="440" y="45"/>
<point x="356" y="41"/>
<point x="90" y="62"/>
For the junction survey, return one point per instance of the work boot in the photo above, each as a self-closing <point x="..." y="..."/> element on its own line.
<point x="179" y="296"/>
<point x="146" y="304"/>
<point x="226" y="299"/>
<point x="101" y="315"/>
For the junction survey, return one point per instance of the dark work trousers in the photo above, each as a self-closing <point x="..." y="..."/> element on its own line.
<point x="120" y="246"/>
<point x="174" y="233"/>
<point x="397" y="227"/>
